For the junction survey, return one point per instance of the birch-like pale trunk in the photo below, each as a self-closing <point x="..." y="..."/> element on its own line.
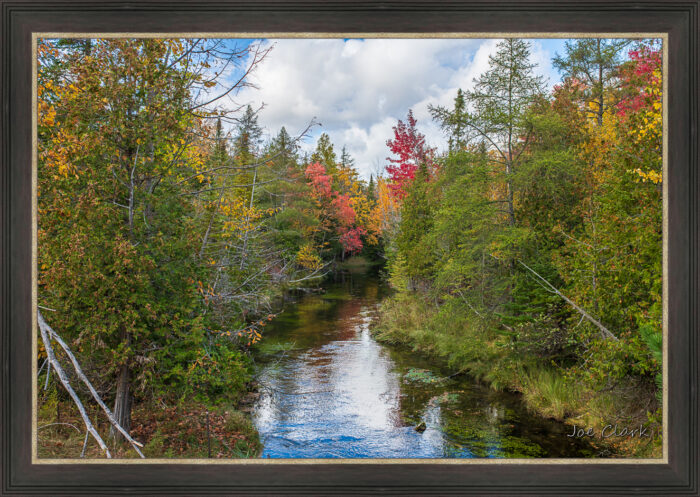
<point x="81" y="375"/>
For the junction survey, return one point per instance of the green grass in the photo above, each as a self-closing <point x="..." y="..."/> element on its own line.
<point x="452" y="335"/>
<point x="547" y="392"/>
<point x="445" y="333"/>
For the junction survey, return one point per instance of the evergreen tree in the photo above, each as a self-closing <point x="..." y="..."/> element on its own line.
<point x="249" y="135"/>
<point x="453" y="122"/>
<point x="593" y="62"/>
<point x="499" y="104"/>
<point x="500" y="100"/>
<point x="413" y="241"/>
<point x="324" y="154"/>
<point x="283" y="150"/>
<point x="220" y="155"/>
<point x="371" y="194"/>
<point x="346" y="160"/>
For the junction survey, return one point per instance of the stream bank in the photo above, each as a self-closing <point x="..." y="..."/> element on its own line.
<point x="608" y="421"/>
<point x="329" y="389"/>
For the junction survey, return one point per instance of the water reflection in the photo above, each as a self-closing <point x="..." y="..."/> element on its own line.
<point x="330" y="390"/>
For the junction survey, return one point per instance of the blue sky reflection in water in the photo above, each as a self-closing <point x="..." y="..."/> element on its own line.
<point x="329" y="390"/>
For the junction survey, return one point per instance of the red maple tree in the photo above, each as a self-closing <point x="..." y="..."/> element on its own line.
<point x="409" y="145"/>
<point x="338" y="205"/>
<point x="316" y="173"/>
<point x="351" y="240"/>
<point x="639" y="80"/>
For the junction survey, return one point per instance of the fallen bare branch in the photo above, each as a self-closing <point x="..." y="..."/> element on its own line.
<point x="605" y="333"/>
<point x="65" y="424"/>
<point x="94" y="393"/>
<point x="82" y="452"/>
<point x="43" y="327"/>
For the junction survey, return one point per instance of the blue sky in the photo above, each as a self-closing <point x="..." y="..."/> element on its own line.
<point x="358" y="88"/>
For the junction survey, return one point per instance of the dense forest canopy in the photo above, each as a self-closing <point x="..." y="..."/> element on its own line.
<point x="527" y="253"/>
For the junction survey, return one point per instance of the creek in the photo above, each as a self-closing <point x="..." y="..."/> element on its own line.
<point x="328" y="389"/>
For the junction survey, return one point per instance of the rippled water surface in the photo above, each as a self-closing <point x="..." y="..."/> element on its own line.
<point x="329" y="390"/>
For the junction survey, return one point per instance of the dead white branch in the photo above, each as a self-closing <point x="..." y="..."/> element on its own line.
<point x="82" y="452"/>
<point x="605" y="333"/>
<point x="62" y="424"/>
<point x="94" y="393"/>
<point x="464" y="299"/>
<point x="43" y="327"/>
<point x="48" y="376"/>
<point x="312" y="275"/>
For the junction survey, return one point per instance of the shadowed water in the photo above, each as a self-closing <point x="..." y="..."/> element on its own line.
<point x="329" y="390"/>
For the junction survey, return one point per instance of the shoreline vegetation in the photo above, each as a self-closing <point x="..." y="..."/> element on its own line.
<point x="412" y="323"/>
<point x="529" y="255"/>
<point x="526" y="254"/>
<point x="169" y="227"/>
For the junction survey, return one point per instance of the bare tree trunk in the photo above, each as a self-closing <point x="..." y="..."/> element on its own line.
<point x="509" y="193"/>
<point x="244" y="255"/>
<point x="601" y="97"/>
<point x="95" y="395"/>
<point x="211" y="221"/>
<point x="122" y="403"/>
<point x="509" y="160"/>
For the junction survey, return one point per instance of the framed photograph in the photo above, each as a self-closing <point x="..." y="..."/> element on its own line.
<point x="349" y="248"/>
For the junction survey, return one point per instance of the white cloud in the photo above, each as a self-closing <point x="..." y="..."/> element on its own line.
<point x="358" y="89"/>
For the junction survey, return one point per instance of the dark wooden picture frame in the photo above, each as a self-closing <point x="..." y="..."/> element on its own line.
<point x="678" y="475"/>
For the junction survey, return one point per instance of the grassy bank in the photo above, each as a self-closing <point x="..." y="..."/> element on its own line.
<point x="452" y="334"/>
<point x="166" y="432"/>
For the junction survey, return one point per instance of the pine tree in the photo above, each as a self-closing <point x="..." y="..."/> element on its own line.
<point x="499" y="109"/>
<point x="453" y="122"/>
<point x="594" y="63"/>
<point x="346" y="160"/>
<point x="413" y="240"/>
<point x="220" y="154"/>
<point x="283" y="150"/>
<point x="324" y="154"/>
<point x="248" y="137"/>
<point x="371" y="194"/>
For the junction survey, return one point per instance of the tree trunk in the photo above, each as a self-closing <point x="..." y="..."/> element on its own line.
<point x="247" y="219"/>
<point x="122" y="403"/>
<point x="601" y="96"/>
<point x="511" y="209"/>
